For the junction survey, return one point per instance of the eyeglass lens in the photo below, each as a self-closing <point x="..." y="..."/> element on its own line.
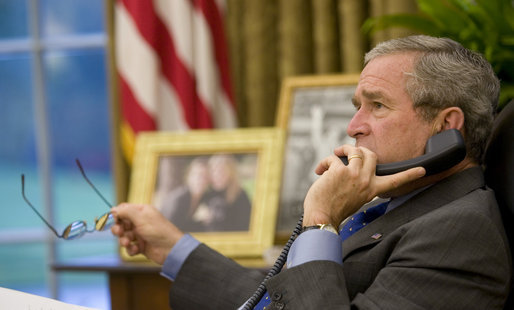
<point x="74" y="230"/>
<point x="104" y="222"/>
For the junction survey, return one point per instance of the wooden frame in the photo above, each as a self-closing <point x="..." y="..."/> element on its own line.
<point x="314" y="111"/>
<point x="264" y="145"/>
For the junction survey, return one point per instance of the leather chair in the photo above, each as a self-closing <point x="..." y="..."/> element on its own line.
<point x="499" y="173"/>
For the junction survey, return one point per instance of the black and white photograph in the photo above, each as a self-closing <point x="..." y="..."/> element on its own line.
<point x="316" y="111"/>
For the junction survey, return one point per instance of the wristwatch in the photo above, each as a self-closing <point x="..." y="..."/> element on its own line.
<point x="327" y="227"/>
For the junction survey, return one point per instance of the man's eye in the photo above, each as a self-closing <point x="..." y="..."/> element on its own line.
<point x="378" y="105"/>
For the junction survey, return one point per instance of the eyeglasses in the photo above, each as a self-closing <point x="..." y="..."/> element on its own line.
<point x="78" y="228"/>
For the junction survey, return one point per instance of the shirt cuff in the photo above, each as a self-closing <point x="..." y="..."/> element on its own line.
<point x="178" y="256"/>
<point x="315" y="245"/>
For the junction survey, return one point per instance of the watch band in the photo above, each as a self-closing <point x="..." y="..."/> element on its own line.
<point x="327" y="227"/>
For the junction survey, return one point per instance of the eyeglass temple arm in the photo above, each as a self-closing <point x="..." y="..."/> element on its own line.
<point x="35" y="210"/>
<point x="91" y="184"/>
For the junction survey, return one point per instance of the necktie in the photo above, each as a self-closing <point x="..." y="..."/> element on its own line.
<point x="264" y="302"/>
<point x="355" y="222"/>
<point x="361" y="219"/>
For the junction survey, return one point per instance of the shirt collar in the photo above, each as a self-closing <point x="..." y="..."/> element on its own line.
<point x="393" y="203"/>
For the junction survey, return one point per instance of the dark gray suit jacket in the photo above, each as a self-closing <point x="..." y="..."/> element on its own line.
<point x="444" y="248"/>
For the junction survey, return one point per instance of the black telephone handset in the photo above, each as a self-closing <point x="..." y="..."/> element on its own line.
<point x="442" y="151"/>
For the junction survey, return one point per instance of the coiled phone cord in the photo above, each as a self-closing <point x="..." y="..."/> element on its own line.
<point x="279" y="263"/>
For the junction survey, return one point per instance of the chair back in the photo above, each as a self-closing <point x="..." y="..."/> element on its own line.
<point x="499" y="173"/>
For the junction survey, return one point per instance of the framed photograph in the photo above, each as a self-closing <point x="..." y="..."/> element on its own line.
<point x="222" y="186"/>
<point x="314" y="111"/>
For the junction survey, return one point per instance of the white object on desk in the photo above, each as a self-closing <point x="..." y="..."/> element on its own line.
<point x="16" y="300"/>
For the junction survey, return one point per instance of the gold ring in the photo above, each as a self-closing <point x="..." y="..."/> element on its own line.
<point x="354" y="156"/>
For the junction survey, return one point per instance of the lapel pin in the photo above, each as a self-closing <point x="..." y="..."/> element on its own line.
<point x="376" y="236"/>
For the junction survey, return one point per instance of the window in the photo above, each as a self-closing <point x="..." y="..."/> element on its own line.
<point x="54" y="108"/>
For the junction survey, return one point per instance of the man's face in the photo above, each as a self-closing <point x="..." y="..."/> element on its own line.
<point x="221" y="173"/>
<point x="385" y="121"/>
<point x="198" y="178"/>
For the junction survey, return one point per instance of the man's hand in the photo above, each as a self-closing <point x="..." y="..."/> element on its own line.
<point x="142" y="229"/>
<point x="341" y="190"/>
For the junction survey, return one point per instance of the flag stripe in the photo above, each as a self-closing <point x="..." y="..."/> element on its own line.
<point x="177" y="17"/>
<point x="133" y="113"/>
<point x="130" y="50"/>
<point x="208" y="71"/>
<point x="213" y="18"/>
<point x="205" y="65"/>
<point x="170" y="116"/>
<point x="155" y="33"/>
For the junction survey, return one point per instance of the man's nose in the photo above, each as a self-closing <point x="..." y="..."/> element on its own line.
<point x="358" y="125"/>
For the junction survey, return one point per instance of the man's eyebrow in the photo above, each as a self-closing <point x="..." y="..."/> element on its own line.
<point x="373" y="95"/>
<point x="355" y="101"/>
<point x="370" y="95"/>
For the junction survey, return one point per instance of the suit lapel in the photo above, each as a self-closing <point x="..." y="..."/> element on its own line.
<point x="430" y="199"/>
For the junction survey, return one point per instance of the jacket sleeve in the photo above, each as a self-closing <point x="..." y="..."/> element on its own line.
<point x="208" y="280"/>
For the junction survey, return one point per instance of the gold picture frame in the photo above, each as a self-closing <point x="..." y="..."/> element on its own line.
<point x="314" y="111"/>
<point x="259" y="149"/>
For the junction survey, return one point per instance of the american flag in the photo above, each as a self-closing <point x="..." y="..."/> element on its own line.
<point x="172" y="64"/>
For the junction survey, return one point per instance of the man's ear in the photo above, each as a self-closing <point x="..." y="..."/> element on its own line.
<point x="449" y="118"/>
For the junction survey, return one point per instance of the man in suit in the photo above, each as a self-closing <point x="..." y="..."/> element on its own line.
<point x="440" y="243"/>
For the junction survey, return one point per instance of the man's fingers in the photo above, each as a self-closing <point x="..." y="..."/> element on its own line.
<point x="391" y="182"/>
<point x="133" y="249"/>
<point x="346" y="150"/>
<point x="120" y="227"/>
<point x="117" y="230"/>
<point x="124" y="241"/>
<point x="322" y="166"/>
<point x="369" y="161"/>
<point x="127" y="213"/>
<point x="126" y="224"/>
<point x="325" y="164"/>
<point x="122" y="210"/>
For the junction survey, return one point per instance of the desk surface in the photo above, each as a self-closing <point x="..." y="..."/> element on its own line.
<point x="111" y="264"/>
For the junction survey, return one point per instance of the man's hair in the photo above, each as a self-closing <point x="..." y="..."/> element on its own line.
<point x="446" y="74"/>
